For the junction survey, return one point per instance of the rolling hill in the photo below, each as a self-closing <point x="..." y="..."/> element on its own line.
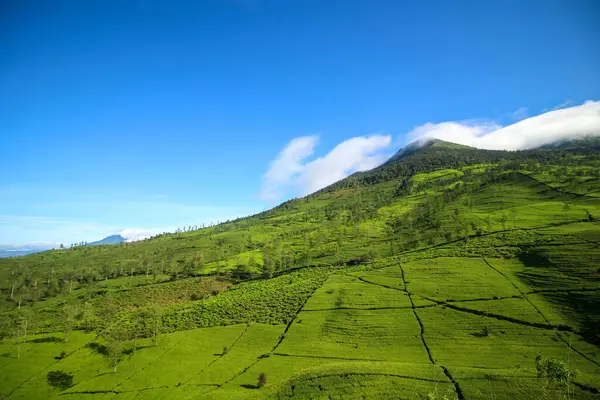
<point x="448" y="272"/>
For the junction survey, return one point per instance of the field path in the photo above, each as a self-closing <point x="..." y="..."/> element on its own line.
<point x="457" y="388"/>
<point x="146" y="366"/>
<point x="43" y="370"/>
<point x="219" y="357"/>
<point x="287" y="328"/>
<point x="542" y="314"/>
<point x="518" y="289"/>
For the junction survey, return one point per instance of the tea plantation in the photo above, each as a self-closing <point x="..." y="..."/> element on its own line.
<point x="450" y="273"/>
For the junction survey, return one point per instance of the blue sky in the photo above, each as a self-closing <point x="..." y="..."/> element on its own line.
<point x="151" y="114"/>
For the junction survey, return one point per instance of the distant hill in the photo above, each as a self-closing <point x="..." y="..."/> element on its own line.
<point x="7" y="251"/>
<point x="23" y="250"/>
<point x="17" y="253"/>
<point x="112" y="239"/>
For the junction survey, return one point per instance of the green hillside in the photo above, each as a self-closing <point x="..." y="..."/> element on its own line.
<point x="448" y="272"/>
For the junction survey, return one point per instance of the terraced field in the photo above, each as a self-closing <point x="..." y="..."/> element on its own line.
<point x="468" y="328"/>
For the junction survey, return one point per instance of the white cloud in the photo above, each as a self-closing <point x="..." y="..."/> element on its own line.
<point x="133" y="234"/>
<point x="519" y="114"/>
<point x="287" y="164"/>
<point x="18" y="231"/>
<point x="289" y="168"/>
<point x="28" y="246"/>
<point x="564" y="104"/>
<point x="463" y="132"/>
<point x="27" y="229"/>
<point x="560" y="124"/>
<point x="66" y="215"/>
<point x="356" y="154"/>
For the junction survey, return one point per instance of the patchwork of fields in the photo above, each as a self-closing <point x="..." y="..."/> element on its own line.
<point x="468" y="328"/>
<point x="451" y="274"/>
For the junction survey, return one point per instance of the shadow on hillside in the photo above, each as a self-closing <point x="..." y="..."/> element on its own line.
<point x="534" y="259"/>
<point x="49" y="339"/>
<point x="246" y="386"/>
<point x="131" y="350"/>
<point x="580" y="306"/>
<point x="98" y="348"/>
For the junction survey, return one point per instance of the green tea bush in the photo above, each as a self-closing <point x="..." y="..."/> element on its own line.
<point x="268" y="301"/>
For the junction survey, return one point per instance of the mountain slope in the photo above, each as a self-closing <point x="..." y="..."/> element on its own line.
<point x="445" y="271"/>
<point x="436" y="155"/>
<point x="590" y="143"/>
<point x="422" y="144"/>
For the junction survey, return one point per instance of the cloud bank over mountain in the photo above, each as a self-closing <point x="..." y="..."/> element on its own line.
<point x="292" y="170"/>
<point x="133" y="234"/>
<point x="567" y="123"/>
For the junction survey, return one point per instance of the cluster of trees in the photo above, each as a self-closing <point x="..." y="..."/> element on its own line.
<point x="15" y="325"/>
<point x="277" y="258"/>
<point x="73" y="245"/>
<point x="103" y="317"/>
<point x="105" y="320"/>
<point x="429" y="222"/>
<point x="26" y="285"/>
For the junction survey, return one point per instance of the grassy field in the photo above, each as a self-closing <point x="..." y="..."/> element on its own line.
<point x="350" y="339"/>
<point x="448" y="283"/>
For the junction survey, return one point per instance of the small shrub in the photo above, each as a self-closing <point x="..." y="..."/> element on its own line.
<point x="556" y="372"/>
<point x="225" y="350"/>
<point x="62" y="354"/>
<point x="487" y="331"/>
<point x="262" y="379"/>
<point x="60" y="379"/>
<point x="437" y="396"/>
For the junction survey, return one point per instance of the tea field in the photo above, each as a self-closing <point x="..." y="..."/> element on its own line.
<point x="448" y="274"/>
<point x="461" y="327"/>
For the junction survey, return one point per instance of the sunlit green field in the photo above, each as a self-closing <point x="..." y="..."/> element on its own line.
<point x="352" y="337"/>
<point x="447" y="285"/>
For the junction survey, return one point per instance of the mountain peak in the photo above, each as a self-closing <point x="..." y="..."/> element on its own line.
<point x="112" y="239"/>
<point x="424" y="143"/>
